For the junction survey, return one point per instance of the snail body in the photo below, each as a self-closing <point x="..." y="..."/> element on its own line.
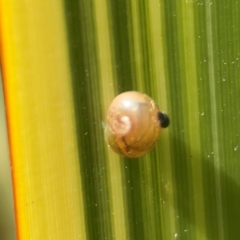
<point x="134" y="123"/>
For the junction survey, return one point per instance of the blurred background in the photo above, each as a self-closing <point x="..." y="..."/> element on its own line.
<point x="7" y="227"/>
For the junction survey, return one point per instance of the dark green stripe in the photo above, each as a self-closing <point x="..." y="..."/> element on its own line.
<point x="145" y="47"/>
<point x="121" y="27"/>
<point x="88" y="114"/>
<point x="122" y="31"/>
<point x="180" y="151"/>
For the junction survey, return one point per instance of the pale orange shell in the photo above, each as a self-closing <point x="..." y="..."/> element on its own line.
<point x="133" y="124"/>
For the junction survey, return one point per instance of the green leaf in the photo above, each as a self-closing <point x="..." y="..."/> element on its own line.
<point x="185" y="54"/>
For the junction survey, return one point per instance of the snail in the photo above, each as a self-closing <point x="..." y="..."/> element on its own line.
<point x="134" y="123"/>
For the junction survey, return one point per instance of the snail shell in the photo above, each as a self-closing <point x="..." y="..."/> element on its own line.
<point x="134" y="124"/>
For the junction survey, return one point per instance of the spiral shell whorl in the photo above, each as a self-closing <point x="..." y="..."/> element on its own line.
<point x="120" y="125"/>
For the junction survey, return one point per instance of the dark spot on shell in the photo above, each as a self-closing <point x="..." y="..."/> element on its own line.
<point x="164" y="119"/>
